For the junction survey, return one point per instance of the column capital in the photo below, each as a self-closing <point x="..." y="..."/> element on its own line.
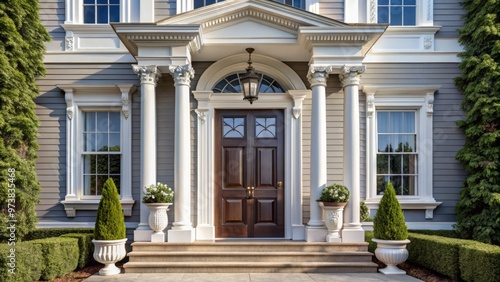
<point x="350" y="75"/>
<point x="148" y="74"/>
<point x="182" y="74"/>
<point x="317" y="75"/>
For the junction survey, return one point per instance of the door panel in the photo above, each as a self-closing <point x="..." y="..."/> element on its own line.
<point x="249" y="163"/>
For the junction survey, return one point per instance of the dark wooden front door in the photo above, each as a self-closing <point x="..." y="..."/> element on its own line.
<point x="249" y="162"/>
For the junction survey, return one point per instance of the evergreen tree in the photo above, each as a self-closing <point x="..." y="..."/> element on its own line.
<point x="22" y="39"/>
<point x="478" y="210"/>
<point x="110" y="223"/>
<point x="389" y="222"/>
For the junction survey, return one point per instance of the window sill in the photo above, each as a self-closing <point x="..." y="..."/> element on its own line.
<point x="71" y="206"/>
<point x="413" y="203"/>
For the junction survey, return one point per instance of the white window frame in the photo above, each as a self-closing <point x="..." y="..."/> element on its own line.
<point x="74" y="12"/>
<point x="402" y="97"/>
<point x="103" y="97"/>
<point x="424" y="13"/>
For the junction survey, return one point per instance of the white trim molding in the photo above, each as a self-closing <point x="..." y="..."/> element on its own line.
<point x="95" y="97"/>
<point x="423" y="17"/>
<point x="403" y="97"/>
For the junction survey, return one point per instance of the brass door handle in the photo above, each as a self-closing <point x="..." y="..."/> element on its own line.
<point x="280" y="184"/>
<point x="250" y="192"/>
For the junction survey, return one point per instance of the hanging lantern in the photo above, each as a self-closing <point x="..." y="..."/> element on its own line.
<point x="250" y="81"/>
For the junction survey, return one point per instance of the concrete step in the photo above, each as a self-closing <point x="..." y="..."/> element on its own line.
<point x="254" y="246"/>
<point x="246" y="267"/>
<point x="155" y="256"/>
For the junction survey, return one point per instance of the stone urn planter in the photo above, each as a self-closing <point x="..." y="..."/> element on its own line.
<point x="158" y="217"/>
<point x="392" y="253"/>
<point x="334" y="219"/>
<point x="109" y="252"/>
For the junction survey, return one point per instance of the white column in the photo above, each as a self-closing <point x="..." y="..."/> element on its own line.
<point x="182" y="230"/>
<point x="350" y="76"/>
<point x="149" y="76"/>
<point x="316" y="230"/>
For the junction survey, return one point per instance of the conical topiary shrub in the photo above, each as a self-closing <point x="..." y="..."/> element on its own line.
<point x="109" y="233"/>
<point x="389" y="222"/>
<point x="110" y="223"/>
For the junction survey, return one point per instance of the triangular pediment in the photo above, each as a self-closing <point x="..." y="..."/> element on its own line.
<point x="264" y="11"/>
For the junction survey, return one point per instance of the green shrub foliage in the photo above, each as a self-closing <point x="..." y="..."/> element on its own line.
<point x="85" y="246"/>
<point x="389" y="222"/>
<point x="364" y="212"/>
<point x="28" y="262"/>
<point x="22" y="38"/>
<point x="478" y="210"/>
<point x="110" y="223"/>
<point x="368" y="238"/>
<point x="41" y="233"/>
<point x="59" y="256"/>
<point x="479" y="262"/>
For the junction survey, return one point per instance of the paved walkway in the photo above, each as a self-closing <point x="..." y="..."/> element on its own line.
<point x="252" y="277"/>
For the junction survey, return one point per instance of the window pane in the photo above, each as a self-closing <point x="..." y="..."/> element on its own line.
<point x="233" y="127"/>
<point x="114" y="164"/>
<point x="395" y="164"/>
<point x="409" y="2"/>
<point x="383" y="2"/>
<point x="89" y="122"/>
<point x="396" y="16"/>
<point x="114" y="1"/>
<point x="398" y="185"/>
<point x="89" y="141"/>
<point x="383" y="122"/>
<point x="409" y="15"/>
<point x="409" y="143"/>
<point x="382" y="164"/>
<point x="102" y="1"/>
<point x="100" y="180"/>
<point x="199" y="3"/>
<point x="381" y="184"/>
<point x="114" y="122"/>
<point x="210" y="2"/>
<point x="114" y="142"/>
<point x="409" y="122"/>
<point x="102" y="14"/>
<point x="102" y="164"/>
<point x="102" y="142"/>
<point x="114" y="14"/>
<point x="396" y="2"/>
<point x="102" y="121"/>
<point x="396" y="122"/>
<point x="409" y="164"/>
<point x="396" y="143"/>
<point x="383" y="15"/>
<point x="265" y="127"/>
<point x="89" y="2"/>
<point x="89" y="14"/>
<point x="384" y="143"/>
<point x="409" y="185"/>
<point x="89" y="164"/>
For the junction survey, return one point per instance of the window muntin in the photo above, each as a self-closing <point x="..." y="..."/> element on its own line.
<point x="234" y="127"/>
<point x="397" y="12"/>
<point x="231" y="84"/>
<point x="101" y="11"/>
<point x="397" y="152"/>
<point x="101" y="150"/>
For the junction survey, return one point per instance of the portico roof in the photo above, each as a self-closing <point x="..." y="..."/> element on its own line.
<point x="226" y="28"/>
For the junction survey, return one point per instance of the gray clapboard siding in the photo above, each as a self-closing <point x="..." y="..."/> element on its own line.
<point x="52" y="15"/>
<point x="164" y="9"/>
<point x="448" y="14"/>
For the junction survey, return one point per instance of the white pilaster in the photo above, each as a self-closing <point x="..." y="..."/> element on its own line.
<point x="205" y="229"/>
<point x="182" y="230"/>
<point x="147" y="11"/>
<point x="149" y="76"/>
<point x="316" y="230"/>
<point x="350" y="76"/>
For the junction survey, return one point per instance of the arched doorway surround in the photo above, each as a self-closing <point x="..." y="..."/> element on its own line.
<point x="290" y="102"/>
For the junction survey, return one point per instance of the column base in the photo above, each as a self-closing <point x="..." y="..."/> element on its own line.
<point x="181" y="235"/>
<point x="298" y="232"/>
<point x="333" y="239"/>
<point x="142" y="235"/>
<point x="353" y="235"/>
<point x="316" y="234"/>
<point x="206" y="232"/>
<point x="158" y="237"/>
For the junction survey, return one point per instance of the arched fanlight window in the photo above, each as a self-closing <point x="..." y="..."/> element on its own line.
<point x="231" y="84"/>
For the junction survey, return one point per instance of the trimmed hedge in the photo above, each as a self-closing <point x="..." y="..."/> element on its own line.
<point x="59" y="256"/>
<point x="443" y="233"/>
<point x="479" y="262"/>
<point x="85" y="246"/>
<point x="437" y="253"/>
<point x="54" y="232"/>
<point x="28" y="262"/>
<point x="368" y="238"/>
